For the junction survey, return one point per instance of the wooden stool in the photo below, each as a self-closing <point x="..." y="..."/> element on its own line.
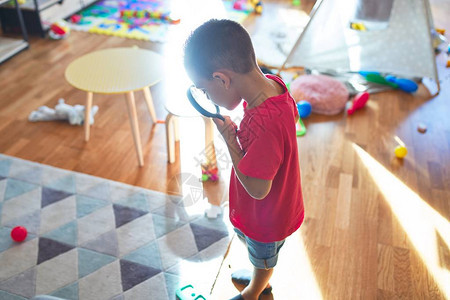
<point x="180" y="107"/>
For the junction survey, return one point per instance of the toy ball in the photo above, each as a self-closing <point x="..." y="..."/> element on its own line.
<point x="19" y="233"/>
<point x="59" y="30"/>
<point x="304" y="108"/>
<point x="205" y="177"/>
<point x="400" y="151"/>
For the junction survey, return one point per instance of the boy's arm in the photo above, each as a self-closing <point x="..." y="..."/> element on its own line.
<point x="255" y="187"/>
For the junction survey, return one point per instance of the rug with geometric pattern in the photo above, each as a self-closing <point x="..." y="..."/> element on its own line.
<point x="91" y="238"/>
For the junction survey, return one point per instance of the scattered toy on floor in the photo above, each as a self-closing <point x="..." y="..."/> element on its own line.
<point x="358" y="26"/>
<point x="403" y="84"/>
<point x="209" y="172"/>
<point x="76" y="19"/>
<point x="359" y="102"/>
<point x="59" y="30"/>
<point x="249" y="6"/>
<point x="327" y="95"/>
<point x="19" y="233"/>
<point x="406" y="85"/>
<point x="376" y="77"/>
<point x="300" y="127"/>
<point x="401" y="150"/>
<point x="62" y="112"/>
<point x="422" y="128"/>
<point x="150" y="15"/>
<point x="188" y="292"/>
<point x="440" y="30"/>
<point x="213" y="211"/>
<point x="304" y="108"/>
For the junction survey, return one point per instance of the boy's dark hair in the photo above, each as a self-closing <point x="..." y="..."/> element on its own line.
<point x="219" y="44"/>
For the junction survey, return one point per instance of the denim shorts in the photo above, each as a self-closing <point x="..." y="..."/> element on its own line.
<point x="262" y="255"/>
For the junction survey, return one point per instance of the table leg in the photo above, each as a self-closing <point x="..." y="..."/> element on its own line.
<point x="149" y="101"/>
<point x="209" y="142"/>
<point x="134" y="126"/>
<point x="171" y="121"/>
<point x="87" y="116"/>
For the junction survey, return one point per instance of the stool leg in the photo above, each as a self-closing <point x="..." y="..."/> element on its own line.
<point x="134" y="126"/>
<point x="87" y="116"/>
<point x="149" y="101"/>
<point x="170" y="139"/>
<point x="209" y="141"/>
<point x="176" y="130"/>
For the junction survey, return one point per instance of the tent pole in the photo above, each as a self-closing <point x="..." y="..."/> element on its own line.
<point x="426" y="3"/>
<point x="313" y="12"/>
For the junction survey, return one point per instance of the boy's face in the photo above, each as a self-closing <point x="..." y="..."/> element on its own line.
<point x="218" y="93"/>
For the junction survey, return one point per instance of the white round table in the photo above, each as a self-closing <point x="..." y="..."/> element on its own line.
<point x="117" y="71"/>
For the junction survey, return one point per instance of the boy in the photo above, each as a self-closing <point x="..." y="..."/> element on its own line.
<point x="266" y="203"/>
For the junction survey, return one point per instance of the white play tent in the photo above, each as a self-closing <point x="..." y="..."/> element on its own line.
<point x="397" y="41"/>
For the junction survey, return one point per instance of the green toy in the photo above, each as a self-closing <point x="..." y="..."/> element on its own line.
<point x="189" y="293"/>
<point x="377" y="78"/>
<point x="301" y="129"/>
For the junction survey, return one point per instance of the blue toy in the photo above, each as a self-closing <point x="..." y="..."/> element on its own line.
<point x="304" y="108"/>
<point x="189" y="293"/>
<point x="406" y="85"/>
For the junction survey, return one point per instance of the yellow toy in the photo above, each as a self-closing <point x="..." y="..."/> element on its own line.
<point x="249" y="6"/>
<point x="358" y="26"/>
<point x="400" y="151"/>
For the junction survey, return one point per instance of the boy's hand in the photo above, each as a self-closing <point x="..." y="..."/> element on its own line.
<point x="227" y="129"/>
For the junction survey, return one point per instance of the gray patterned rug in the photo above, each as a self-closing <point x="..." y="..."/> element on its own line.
<point x="91" y="238"/>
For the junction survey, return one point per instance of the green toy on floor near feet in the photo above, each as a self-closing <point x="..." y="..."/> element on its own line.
<point x="301" y="129"/>
<point x="188" y="292"/>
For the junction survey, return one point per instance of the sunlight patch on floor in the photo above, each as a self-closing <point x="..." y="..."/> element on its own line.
<point x="419" y="220"/>
<point x="301" y="281"/>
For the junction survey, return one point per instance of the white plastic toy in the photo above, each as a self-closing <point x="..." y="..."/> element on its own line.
<point x="62" y="112"/>
<point x="213" y="211"/>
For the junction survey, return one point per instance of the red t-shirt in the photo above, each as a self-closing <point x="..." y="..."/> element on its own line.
<point x="267" y="135"/>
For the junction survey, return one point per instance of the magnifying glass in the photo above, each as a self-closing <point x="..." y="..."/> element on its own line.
<point x="201" y="102"/>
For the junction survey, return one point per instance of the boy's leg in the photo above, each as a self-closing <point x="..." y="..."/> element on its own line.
<point x="264" y="257"/>
<point x="258" y="283"/>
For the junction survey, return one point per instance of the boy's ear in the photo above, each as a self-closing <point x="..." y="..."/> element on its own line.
<point x="223" y="79"/>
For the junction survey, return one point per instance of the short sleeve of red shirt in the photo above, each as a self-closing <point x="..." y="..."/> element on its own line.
<point x="264" y="152"/>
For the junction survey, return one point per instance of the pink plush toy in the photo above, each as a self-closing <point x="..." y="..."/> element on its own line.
<point x="326" y="95"/>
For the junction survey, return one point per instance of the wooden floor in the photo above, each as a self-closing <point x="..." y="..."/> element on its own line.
<point x="376" y="227"/>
